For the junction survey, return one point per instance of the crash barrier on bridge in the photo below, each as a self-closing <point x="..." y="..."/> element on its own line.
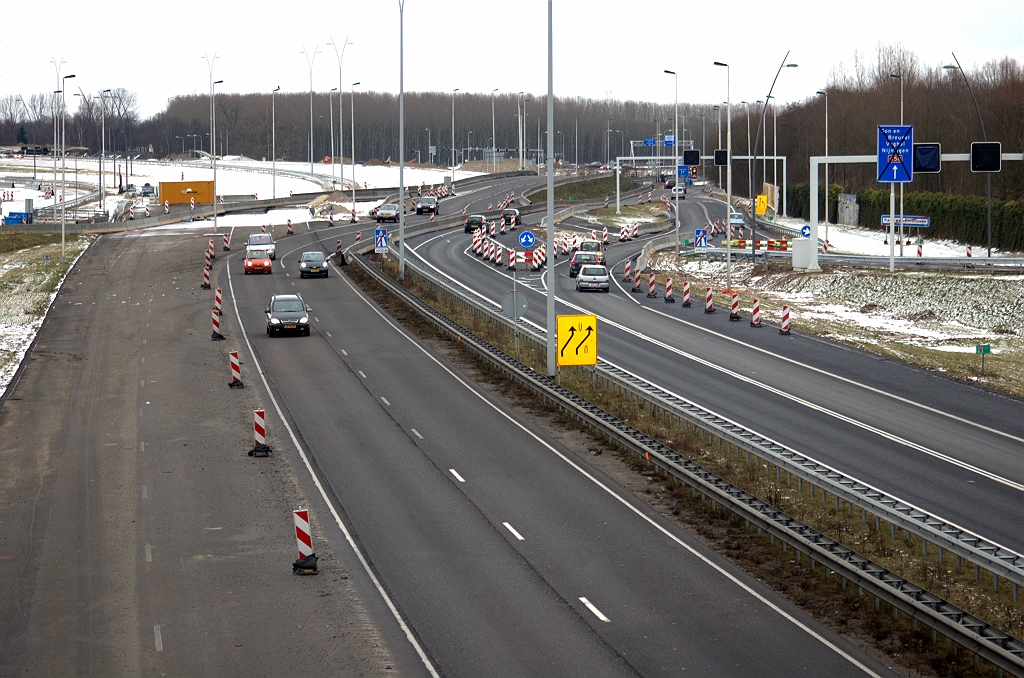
<point x="930" y="528"/>
<point x="963" y="629"/>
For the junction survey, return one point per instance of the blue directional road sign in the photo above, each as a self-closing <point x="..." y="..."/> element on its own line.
<point x="649" y="142"/>
<point x="527" y="239"/>
<point x="805" y="230"/>
<point x="670" y="140"/>
<point x="700" y="239"/>
<point x="682" y="172"/>
<point x="380" y="240"/>
<point x="908" y="220"/>
<point x="896" y="154"/>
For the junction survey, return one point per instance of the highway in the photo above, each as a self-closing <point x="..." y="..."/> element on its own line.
<point x="499" y="548"/>
<point x="939" y="444"/>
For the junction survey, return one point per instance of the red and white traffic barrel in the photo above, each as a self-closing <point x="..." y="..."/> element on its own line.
<point x="209" y="246"/>
<point x="636" y="229"/>
<point x="259" y="429"/>
<point x="669" y="299"/>
<point x="651" y="292"/>
<point x="734" y="314"/>
<point x="755" y="314"/>
<point x="216" y="335"/>
<point x="206" y="278"/>
<point x="167" y="206"/>
<point x="785" y="321"/>
<point x="290" y="231"/>
<point x="359" y="236"/>
<point x="604" y="238"/>
<point x="627" y="274"/>
<point x="686" y="293"/>
<point x="217" y="301"/>
<point x="337" y="248"/>
<point x="236" y="371"/>
<point x="969" y="253"/>
<point x="709" y="301"/>
<point x="636" y="281"/>
<point x="226" y="248"/>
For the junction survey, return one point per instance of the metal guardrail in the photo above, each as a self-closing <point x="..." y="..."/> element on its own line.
<point x="997" y="559"/>
<point x="973" y="634"/>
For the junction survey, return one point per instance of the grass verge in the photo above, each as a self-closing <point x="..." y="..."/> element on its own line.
<point x="903" y="642"/>
<point x="584" y="190"/>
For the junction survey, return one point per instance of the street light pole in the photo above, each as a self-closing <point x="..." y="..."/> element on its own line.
<point x="309" y="62"/>
<point x="453" y="136"/>
<point x="63" y="159"/>
<point x="352" y="121"/>
<point x="494" y="136"/>
<point x="675" y="167"/>
<point x="401" y="140"/>
<point x="213" y="147"/>
<point x="273" y="137"/>
<point x="551" y="339"/>
<point x="984" y="136"/>
<point x="103" y="147"/>
<point x="519" y="128"/>
<point x="430" y="154"/>
<point x="341" y="111"/>
<point x="330" y="108"/>
<point x="728" y="175"/>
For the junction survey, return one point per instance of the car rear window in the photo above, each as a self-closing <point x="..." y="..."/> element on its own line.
<point x="594" y="270"/>
<point x="590" y="246"/>
<point x="260" y="239"/>
<point x="428" y="201"/>
<point x="257" y="254"/>
<point x="588" y="258"/>
<point x="288" y="305"/>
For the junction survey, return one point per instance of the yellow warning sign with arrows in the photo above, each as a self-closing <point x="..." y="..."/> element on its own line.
<point x="577" y="339"/>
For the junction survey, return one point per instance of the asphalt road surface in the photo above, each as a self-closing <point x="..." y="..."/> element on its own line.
<point x="945" y="446"/>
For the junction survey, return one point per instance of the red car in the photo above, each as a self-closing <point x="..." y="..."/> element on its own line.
<point x="257" y="261"/>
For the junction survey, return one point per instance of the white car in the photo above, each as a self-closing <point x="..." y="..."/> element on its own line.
<point x="592" y="278"/>
<point x="262" y="241"/>
<point x="679" y="192"/>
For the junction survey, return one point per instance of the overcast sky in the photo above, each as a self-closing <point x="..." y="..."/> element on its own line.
<point x="602" y="49"/>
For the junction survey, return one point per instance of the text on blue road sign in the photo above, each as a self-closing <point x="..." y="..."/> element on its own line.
<point x="896" y="153"/>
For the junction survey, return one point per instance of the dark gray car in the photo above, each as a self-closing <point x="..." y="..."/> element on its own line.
<point x="287" y="313"/>
<point x="313" y="263"/>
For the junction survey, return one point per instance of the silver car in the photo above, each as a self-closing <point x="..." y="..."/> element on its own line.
<point x="592" y="278"/>
<point x="387" y="212"/>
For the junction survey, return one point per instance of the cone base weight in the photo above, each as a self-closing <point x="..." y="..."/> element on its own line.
<point x="669" y="300"/>
<point x="216" y="336"/>
<point x="785" y="332"/>
<point x="237" y="383"/>
<point x="260" y="451"/>
<point x="753" y="324"/>
<point x="733" y="317"/>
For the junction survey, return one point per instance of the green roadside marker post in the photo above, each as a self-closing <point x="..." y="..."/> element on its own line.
<point x="983" y="350"/>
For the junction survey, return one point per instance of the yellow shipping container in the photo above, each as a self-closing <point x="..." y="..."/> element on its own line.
<point x="182" y="192"/>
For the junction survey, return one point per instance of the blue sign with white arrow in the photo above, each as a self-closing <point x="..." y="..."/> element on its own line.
<point x="805" y="230"/>
<point x="380" y="240"/>
<point x="896" y="154"/>
<point x="527" y="239"/>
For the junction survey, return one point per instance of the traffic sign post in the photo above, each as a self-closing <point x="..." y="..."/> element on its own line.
<point x="380" y="240"/>
<point x="577" y="339"/>
<point x="895" y="166"/>
<point x="700" y="239"/>
<point x="983" y="350"/>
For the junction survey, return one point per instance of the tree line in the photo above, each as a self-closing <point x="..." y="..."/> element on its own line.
<point x="935" y="100"/>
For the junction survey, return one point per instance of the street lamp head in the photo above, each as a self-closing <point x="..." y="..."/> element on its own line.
<point x="218" y="82"/>
<point x="105" y="91"/>
<point x="277" y="89"/>
<point x="719" y="63"/>
<point x="822" y="92"/>
<point x="354" y="84"/>
<point x="455" y="90"/>
<point x="670" y="72"/>
<point x="67" y="77"/>
<point x="951" y="67"/>
<point x="896" y="75"/>
<point x="792" y="65"/>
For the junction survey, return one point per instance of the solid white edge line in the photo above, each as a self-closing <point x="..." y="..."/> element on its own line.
<point x="513" y="531"/>
<point x="158" y="638"/>
<point x="456" y="474"/>
<point x="753" y="382"/>
<point x="593" y="608"/>
<point x="361" y="374"/>
<point x="385" y="401"/>
<point x="416" y="433"/>
<point x="323" y="493"/>
<point x="772" y="606"/>
<point x="846" y="380"/>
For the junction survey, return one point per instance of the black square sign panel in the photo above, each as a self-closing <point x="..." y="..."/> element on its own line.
<point x="721" y="158"/>
<point x="691" y="158"/>
<point x="986" y="156"/>
<point x="927" y="158"/>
